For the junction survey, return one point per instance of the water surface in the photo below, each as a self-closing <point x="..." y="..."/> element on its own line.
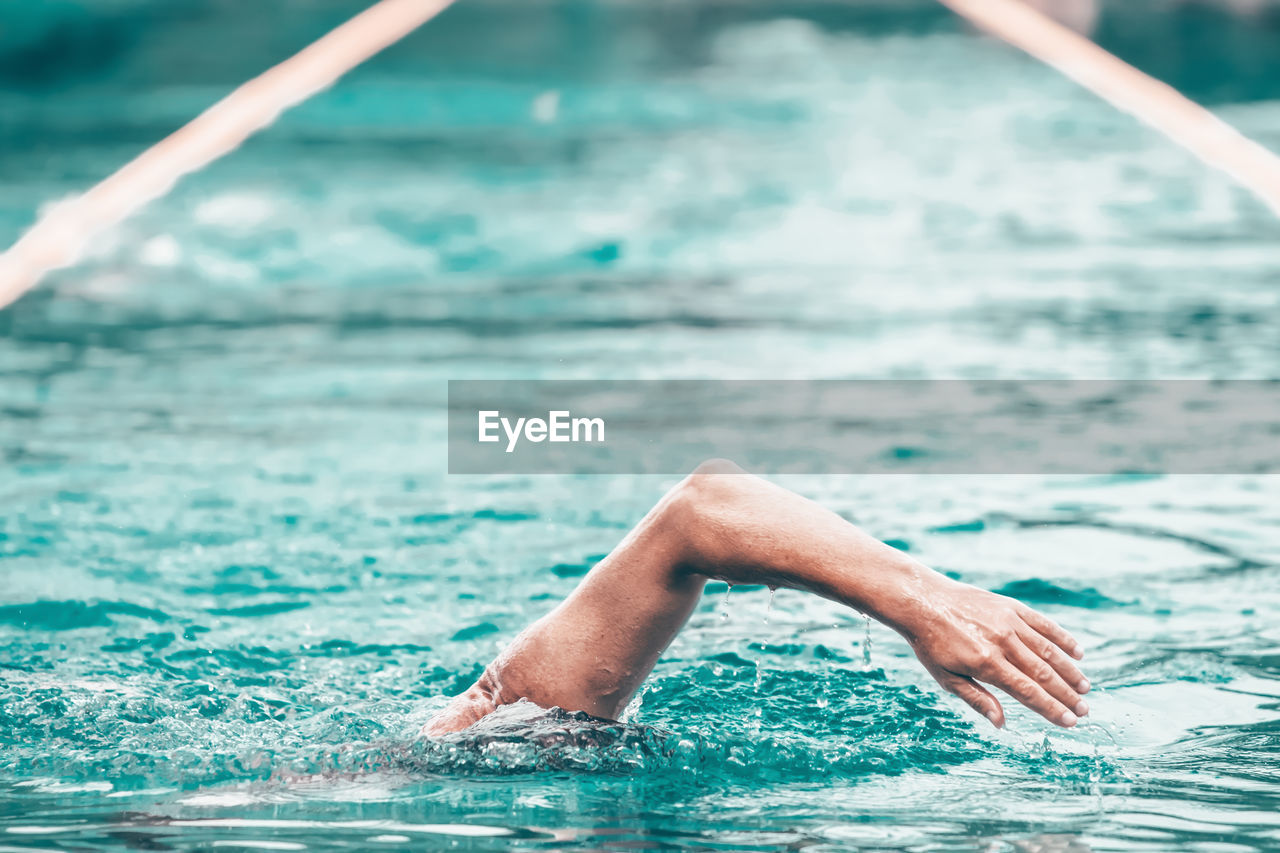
<point x="237" y="579"/>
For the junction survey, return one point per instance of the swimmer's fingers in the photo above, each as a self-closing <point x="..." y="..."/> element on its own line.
<point x="1052" y="631"/>
<point x="1016" y="683"/>
<point x="1055" y="657"/>
<point x="973" y="693"/>
<point x="1046" y="677"/>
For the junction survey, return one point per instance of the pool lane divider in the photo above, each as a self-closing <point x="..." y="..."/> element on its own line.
<point x="59" y="237"/>
<point x="1215" y="142"/>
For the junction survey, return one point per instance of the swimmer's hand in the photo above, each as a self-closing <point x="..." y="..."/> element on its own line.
<point x="595" y="649"/>
<point x="964" y="635"/>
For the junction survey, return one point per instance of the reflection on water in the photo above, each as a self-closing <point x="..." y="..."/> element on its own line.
<point x="237" y="581"/>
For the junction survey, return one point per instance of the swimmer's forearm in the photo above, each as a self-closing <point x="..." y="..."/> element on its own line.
<point x="742" y="529"/>
<point x="745" y="529"/>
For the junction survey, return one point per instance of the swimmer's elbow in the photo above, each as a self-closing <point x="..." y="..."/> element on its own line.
<point x="702" y="513"/>
<point x="716" y="466"/>
<point x="715" y="484"/>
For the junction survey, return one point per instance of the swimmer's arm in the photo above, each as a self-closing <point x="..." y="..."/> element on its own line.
<point x="595" y="649"/>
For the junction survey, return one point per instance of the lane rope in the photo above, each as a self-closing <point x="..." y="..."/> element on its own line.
<point x="1159" y="105"/>
<point x="59" y="238"/>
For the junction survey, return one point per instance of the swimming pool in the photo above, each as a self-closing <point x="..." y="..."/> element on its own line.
<point x="237" y="579"/>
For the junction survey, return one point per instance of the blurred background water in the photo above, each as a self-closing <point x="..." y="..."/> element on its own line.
<point x="236" y="580"/>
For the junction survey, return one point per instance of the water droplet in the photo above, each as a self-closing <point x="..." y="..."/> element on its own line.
<point x="724" y="604"/>
<point x="773" y="590"/>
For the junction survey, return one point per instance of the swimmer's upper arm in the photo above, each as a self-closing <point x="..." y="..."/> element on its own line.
<point x="592" y="652"/>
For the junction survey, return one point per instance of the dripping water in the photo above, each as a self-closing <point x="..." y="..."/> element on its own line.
<point x="724" y="604"/>
<point x="758" y="658"/>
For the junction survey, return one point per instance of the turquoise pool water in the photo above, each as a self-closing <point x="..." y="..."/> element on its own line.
<point x="236" y="579"/>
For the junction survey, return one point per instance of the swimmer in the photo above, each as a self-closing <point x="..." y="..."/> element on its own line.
<point x="593" y="651"/>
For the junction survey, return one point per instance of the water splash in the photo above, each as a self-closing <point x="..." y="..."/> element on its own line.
<point x="1093" y="728"/>
<point x="1042" y="749"/>
<point x="525" y="738"/>
<point x="632" y="711"/>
